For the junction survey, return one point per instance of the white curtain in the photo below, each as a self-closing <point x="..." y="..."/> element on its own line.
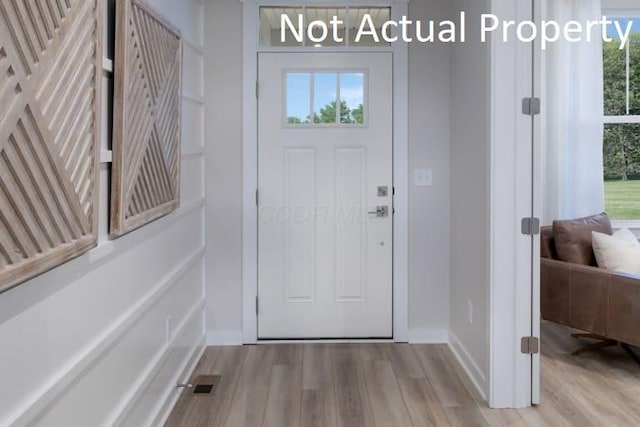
<point x="573" y="100"/>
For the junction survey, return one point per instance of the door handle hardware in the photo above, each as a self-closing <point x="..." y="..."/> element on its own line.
<point x="380" y="212"/>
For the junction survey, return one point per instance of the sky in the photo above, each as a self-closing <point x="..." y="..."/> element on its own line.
<point x="611" y="29"/>
<point x="325" y="91"/>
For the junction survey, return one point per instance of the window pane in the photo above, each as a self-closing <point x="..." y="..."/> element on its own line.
<point x="270" y="29"/>
<point x="324" y="97"/>
<point x="352" y="98"/>
<point x="298" y="98"/>
<point x="378" y="15"/>
<point x="622" y="72"/>
<point x="325" y="33"/>
<point x="325" y="15"/>
<point x="615" y="78"/>
<point x="622" y="170"/>
<point x="634" y="70"/>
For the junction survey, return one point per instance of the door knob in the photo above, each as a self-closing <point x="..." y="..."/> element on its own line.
<point x="381" y="212"/>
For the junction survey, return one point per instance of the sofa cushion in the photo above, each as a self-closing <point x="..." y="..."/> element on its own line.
<point x="547" y="245"/>
<point x="619" y="253"/>
<point x="573" y="238"/>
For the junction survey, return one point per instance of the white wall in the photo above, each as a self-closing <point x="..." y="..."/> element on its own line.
<point x="104" y="338"/>
<point x="429" y="140"/>
<point x="620" y="4"/>
<point x="429" y="84"/>
<point x="223" y="87"/>
<point x="470" y="195"/>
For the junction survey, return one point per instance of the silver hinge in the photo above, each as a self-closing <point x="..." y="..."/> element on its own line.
<point x="257" y="199"/>
<point x="531" y="106"/>
<point x="257" y="305"/>
<point x="530" y="345"/>
<point x="530" y="226"/>
<point x="257" y="89"/>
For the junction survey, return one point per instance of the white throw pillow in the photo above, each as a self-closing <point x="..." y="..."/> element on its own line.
<point x="626" y="235"/>
<point x="619" y="253"/>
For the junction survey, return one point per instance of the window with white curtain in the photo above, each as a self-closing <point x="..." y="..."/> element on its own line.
<point x="622" y="123"/>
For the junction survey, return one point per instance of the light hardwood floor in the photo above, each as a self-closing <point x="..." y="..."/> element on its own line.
<point x="401" y="385"/>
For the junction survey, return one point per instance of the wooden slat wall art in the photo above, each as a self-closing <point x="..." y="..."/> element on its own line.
<point x="50" y="72"/>
<point x="148" y="95"/>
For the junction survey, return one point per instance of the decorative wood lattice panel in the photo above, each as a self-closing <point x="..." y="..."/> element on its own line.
<point x="50" y="61"/>
<point x="146" y="145"/>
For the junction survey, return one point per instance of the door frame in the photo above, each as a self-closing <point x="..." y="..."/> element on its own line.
<point x="514" y="302"/>
<point x="250" y="50"/>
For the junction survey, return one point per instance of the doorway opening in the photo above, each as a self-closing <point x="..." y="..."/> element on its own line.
<point x="589" y="222"/>
<point x="258" y="42"/>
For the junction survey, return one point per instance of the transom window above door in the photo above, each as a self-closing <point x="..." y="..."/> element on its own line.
<point x="325" y="98"/>
<point x="328" y="27"/>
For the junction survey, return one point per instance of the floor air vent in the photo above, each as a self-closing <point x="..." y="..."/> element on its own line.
<point x="206" y="384"/>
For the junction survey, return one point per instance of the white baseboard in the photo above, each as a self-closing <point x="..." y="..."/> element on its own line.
<point x="171" y="399"/>
<point x="416" y="336"/>
<point x="469" y="365"/>
<point x="130" y="399"/>
<point x="224" y="338"/>
<point x="428" y="336"/>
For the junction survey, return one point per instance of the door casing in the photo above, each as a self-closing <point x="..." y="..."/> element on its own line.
<point x="514" y="188"/>
<point x="400" y="54"/>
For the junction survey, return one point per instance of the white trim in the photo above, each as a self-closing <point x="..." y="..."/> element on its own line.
<point x="107" y="249"/>
<point x="510" y="256"/>
<point x="472" y="370"/>
<point x="621" y="12"/>
<point x="75" y="367"/>
<point x="329" y="341"/>
<point x="224" y="338"/>
<point x="623" y="120"/>
<point x="102" y="251"/>
<point x="326" y="49"/>
<point x="630" y="224"/>
<point x="198" y="152"/>
<point x="171" y="397"/>
<point x="400" y="182"/>
<point x="196" y="99"/>
<point x="429" y="336"/>
<point x="141" y="383"/>
<point x="250" y="161"/>
<point x="540" y="14"/>
<point x="196" y="47"/>
<point x="334" y="3"/>
<point x="249" y="171"/>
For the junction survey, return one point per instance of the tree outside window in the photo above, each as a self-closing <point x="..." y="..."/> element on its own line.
<point x="325" y="98"/>
<point x="622" y="127"/>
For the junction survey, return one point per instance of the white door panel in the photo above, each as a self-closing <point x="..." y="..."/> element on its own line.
<point x="325" y="263"/>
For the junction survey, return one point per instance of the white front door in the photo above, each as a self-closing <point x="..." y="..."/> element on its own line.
<point x="325" y="190"/>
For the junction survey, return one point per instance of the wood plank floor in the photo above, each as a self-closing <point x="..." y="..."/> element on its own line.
<point x="350" y="385"/>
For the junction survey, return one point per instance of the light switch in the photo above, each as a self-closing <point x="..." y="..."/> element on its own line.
<point x="423" y="177"/>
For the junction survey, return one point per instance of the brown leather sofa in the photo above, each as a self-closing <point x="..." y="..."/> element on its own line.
<point x="576" y="293"/>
